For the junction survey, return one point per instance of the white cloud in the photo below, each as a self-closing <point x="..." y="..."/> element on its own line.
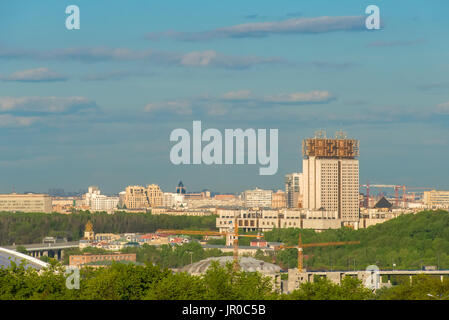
<point x="262" y="29"/>
<point x="7" y="120"/>
<point x="207" y="58"/>
<point x="43" y="105"/>
<point x="443" y="108"/>
<point x="237" y="95"/>
<point x="301" y="97"/>
<point x="242" y="99"/>
<point x="177" y="107"/>
<point x="35" y="75"/>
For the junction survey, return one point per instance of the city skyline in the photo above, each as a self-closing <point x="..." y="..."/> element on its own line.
<point x="96" y="106"/>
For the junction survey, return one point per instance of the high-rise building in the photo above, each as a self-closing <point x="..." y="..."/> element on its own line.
<point x="293" y="190"/>
<point x="331" y="175"/>
<point x="155" y="195"/>
<point x="257" y="198"/>
<point x="138" y="197"/>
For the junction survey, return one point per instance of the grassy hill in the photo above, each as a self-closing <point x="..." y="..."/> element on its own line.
<point x="409" y="241"/>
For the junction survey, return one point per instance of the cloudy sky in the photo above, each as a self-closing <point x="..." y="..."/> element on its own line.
<point x="97" y="105"/>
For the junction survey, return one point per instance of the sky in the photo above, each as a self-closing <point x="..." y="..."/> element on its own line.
<point x="96" y="106"/>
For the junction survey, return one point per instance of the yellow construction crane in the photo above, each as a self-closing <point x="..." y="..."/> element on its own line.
<point x="301" y="246"/>
<point x="235" y="234"/>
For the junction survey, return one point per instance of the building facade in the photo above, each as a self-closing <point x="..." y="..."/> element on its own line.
<point x="30" y="202"/>
<point x="331" y="176"/>
<point x="279" y="200"/>
<point x="82" y="259"/>
<point x="257" y="198"/>
<point x="138" y="197"/>
<point x="100" y="202"/>
<point x="293" y="188"/>
<point x="436" y="199"/>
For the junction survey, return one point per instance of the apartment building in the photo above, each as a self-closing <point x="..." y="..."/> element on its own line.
<point x="138" y="197"/>
<point x="257" y="198"/>
<point x="279" y="200"/>
<point x="293" y="186"/>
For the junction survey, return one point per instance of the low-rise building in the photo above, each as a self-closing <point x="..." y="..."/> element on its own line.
<point x="436" y="199"/>
<point x="80" y="260"/>
<point x="30" y="202"/>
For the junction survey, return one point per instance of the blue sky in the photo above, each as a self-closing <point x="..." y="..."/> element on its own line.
<point x="97" y="105"/>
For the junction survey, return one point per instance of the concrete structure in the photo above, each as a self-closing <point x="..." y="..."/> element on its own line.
<point x="257" y="198"/>
<point x="79" y="260"/>
<point x="436" y="199"/>
<point x="371" y="279"/>
<point x="293" y="189"/>
<point x="7" y="256"/>
<point x="267" y="219"/>
<point x="52" y="250"/>
<point x="279" y="200"/>
<point x="30" y="202"/>
<point x="331" y="176"/>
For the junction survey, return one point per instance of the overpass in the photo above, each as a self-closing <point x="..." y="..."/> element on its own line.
<point x="7" y="256"/>
<point x="52" y="250"/>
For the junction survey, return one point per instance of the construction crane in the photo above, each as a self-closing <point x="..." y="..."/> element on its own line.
<point x="234" y="232"/>
<point x="301" y="246"/>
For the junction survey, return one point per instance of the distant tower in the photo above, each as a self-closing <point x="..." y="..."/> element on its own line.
<point x="89" y="231"/>
<point x="180" y="188"/>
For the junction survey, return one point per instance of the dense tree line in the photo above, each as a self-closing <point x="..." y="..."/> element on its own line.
<point x="131" y="282"/>
<point x="410" y="241"/>
<point x="22" y="228"/>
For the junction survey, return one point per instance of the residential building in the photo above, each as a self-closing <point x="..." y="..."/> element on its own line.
<point x="293" y="182"/>
<point x="30" y="202"/>
<point x="155" y="195"/>
<point x="99" y="202"/>
<point x="173" y="200"/>
<point x="257" y="198"/>
<point x="279" y="199"/>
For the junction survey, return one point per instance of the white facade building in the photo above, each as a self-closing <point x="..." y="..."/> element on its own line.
<point x="257" y="198"/>
<point x="332" y="185"/>
<point x="99" y="202"/>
